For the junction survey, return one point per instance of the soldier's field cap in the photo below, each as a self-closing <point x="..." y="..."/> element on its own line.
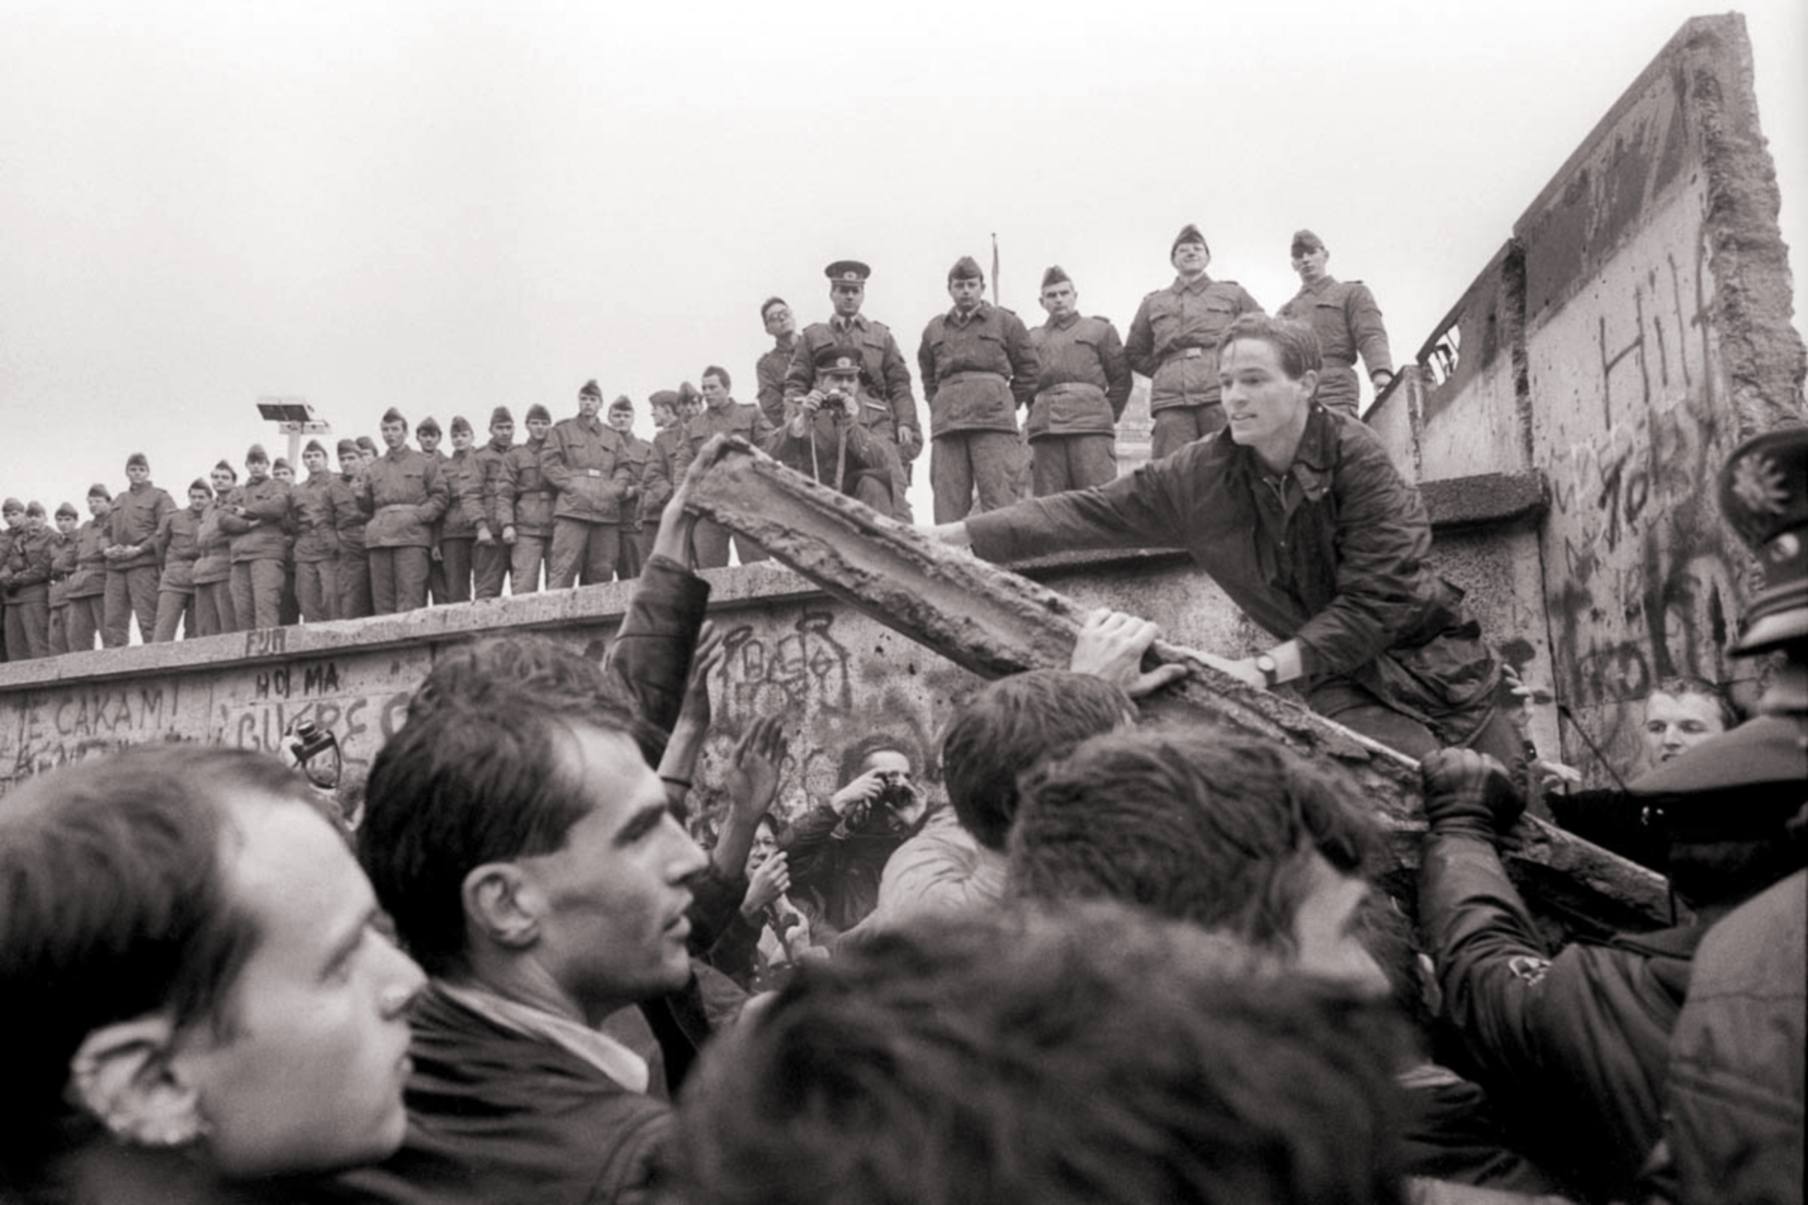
<point x="836" y="359"/>
<point x="427" y="426"/>
<point x="537" y="411"/>
<point x="314" y="445"/>
<point x="97" y="490"/>
<point x="663" y="397"/>
<point x="392" y="415"/>
<point x="202" y="484"/>
<point x="461" y="423"/>
<point x="624" y="402"/>
<point x="138" y="460"/>
<point x="1764" y="497"/>
<point x="68" y="508"/>
<point x="591" y="389"/>
<point x="1739" y="785"/>
<point x="1056" y="275"/>
<point x="347" y="447"/>
<point x="1304" y="241"/>
<point x="34" y="507"/>
<point x="501" y="415"/>
<point x="847" y="271"/>
<point x="1189" y="233"/>
<point x="224" y="465"/>
<point x="281" y="462"/>
<point x="966" y="268"/>
<point x="12" y="504"/>
<point x="367" y="444"/>
<point x="256" y="453"/>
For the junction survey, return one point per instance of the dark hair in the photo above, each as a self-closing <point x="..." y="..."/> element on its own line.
<point x="854" y="756"/>
<point x="536" y="665"/>
<point x="478" y="778"/>
<point x="1295" y="343"/>
<point x="721" y="374"/>
<point x="1681" y="685"/>
<point x="114" y="903"/>
<point x="1011" y="726"/>
<point x="1084" y="1056"/>
<point x="767" y="305"/>
<point x="1207" y="825"/>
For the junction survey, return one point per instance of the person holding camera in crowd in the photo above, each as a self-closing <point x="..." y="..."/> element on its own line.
<point x="823" y="439"/>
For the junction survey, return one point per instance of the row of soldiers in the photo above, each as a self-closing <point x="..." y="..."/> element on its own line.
<point x="394" y="529"/>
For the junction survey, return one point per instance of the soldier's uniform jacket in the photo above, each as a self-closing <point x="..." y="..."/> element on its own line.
<point x="464" y="484"/>
<point x="1348" y="323"/>
<point x="269" y="502"/>
<point x="639" y="453"/>
<point x="404" y="494"/>
<point x="349" y="519"/>
<point x="667" y="461"/>
<point x="733" y="418"/>
<point x="583" y="461"/>
<point x="90" y="576"/>
<point x="1082" y="380"/>
<point x="842" y="446"/>
<point x="62" y="567"/>
<point x="137" y="512"/>
<point x="1174" y="339"/>
<point x="976" y="370"/>
<point x="524" y="499"/>
<point x="887" y="406"/>
<point x="490" y="485"/>
<point x="25" y="559"/>
<point x="316" y="516"/>
<point x="769" y="375"/>
<point x="179" y="544"/>
<point x="213" y="547"/>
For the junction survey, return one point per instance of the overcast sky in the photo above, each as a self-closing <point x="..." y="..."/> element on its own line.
<point x="445" y="206"/>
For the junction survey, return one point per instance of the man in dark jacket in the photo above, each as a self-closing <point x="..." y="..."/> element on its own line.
<point x="1301" y="517"/>
<point x="255" y="516"/>
<point x="583" y="461"/>
<point x="978" y="368"/>
<point x="525" y="501"/>
<point x="1174" y="342"/>
<point x="404" y="494"/>
<point x="132" y="568"/>
<point x="1082" y="384"/>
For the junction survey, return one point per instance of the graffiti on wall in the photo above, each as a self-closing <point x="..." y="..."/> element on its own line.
<point x="323" y="691"/>
<point x="58" y="727"/>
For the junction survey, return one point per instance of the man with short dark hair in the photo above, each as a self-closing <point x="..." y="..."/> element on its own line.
<point x="585" y="463"/>
<point x="1174" y="342"/>
<point x="722" y="415"/>
<point x="526" y="501"/>
<point x="495" y="539"/>
<point x="1347" y="321"/>
<point x="1082" y="385"/>
<point x="769" y="372"/>
<point x="205" y="1003"/>
<point x="132" y="568"/>
<point x="404" y="493"/>
<point x="254" y="517"/>
<point x="1300" y="516"/>
<point x="978" y="367"/>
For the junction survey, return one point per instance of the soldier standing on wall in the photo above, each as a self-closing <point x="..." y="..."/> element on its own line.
<point x="62" y="567"/>
<point x="490" y="555"/>
<point x="132" y="568"/>
<point x="1348" y="323"/>
<point x="255" y="517"/>
<point x="525" y="502"/>
<point x="637" y="451"/>
<point x="666" y="463"/>
<point x="404" y="494"/>
<point x="26" y="555"/>
<point x="427" y="434"/>
<point x="583" y="462"/>
<point x="1082" y="384"/>
<point x="88" y="584"/>
<point x="317" y="538"/>
<point x="349" y="517"/>
<point x="769" y="372"/>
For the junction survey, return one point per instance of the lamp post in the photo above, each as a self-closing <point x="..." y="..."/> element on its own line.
<point x="293" y="417"/>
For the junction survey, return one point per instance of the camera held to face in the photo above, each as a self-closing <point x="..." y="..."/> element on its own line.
<point x="836" y="401"/>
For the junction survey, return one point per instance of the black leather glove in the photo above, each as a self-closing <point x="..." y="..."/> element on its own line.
<point x="1468" y="794"/>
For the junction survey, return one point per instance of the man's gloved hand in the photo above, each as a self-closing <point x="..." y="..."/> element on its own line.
<point x="1468" y="794"/>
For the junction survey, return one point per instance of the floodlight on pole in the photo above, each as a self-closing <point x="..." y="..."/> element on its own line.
<point x="293" y="417"/>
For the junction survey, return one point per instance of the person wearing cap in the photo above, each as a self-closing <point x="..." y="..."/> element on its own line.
<point x="584" y="463"/>
<point x="1082" y="385"/>
<point x="26" y="556"/>
<point x="769" y="371"/>
<point x="1174" y="342"/>
<point x="290" y="610"/>
<point x="888" y="409"/>
<point x="62" y="568"/>
<point x="1348" y="323"/>
<point x="824" y="441"/>
<point x="178" y="542"/>
<point x="352" y="575"/>
<point x="665" y="464"/>
<point x="978" y="367"/>
<point x="88" y="584"/>
<point x="427" y="435"/>
<point x="457" y="535"/>
<point x="722" y="415"/>
<point x="404" y="494"/>
<point x="620" y="417"/>
<point x="212" y="575"/>
<point x="525" y="504"/>
<point x="316" y="519"/>
<point x="490" y="553"/>
<point x="255" y="519"/>
<point x="132" y="569"/>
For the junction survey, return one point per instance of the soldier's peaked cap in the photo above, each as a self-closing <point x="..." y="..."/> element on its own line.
<point x="1305" y="240"/>
<point x="1056" y="275"/>
<point x="847" y="270"/>
<point x="1764" y="498"/>
<point x="836" y="359"/>
<point x="1189" y="233"/>
<point x="1743" y="784"/>
<point x="966" y="268"/>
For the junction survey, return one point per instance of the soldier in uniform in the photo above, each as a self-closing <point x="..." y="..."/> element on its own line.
<point x="404" y="494"/>
<point x="256" y="518"/>
<point x="282" y="471"/>
<point x="978" y="367"/>
<point x="132" y="569"/>
<point x="585" y="463"/>
<point x="427" y="435"/>
<point x="824" y="440"/>
<point x="722" y="415"/>
<point x="458" y="530"/>
<point x="353" y="575"/>
<point x="526" y="505"/>
<point x="490" y="555"/>
<point x="1347" y="320"/>
<point x="212" y="576"/>
<point x="1174" y="342"/>
<point x="178" y="542"/>
<point x="665" y="465"/>
<point x="26" y="553"/>
<point x="639" y="452"/>
<point x="769" y="372"/>
<point x="62" y="568"/>
<point x="88" y="585"/>
<point x="1082" y="384"/>
<point x="887" y="409"/>
<point x="316" y="517"/>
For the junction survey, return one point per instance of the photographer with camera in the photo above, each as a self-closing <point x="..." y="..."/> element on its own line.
<point x="823" y="438"/>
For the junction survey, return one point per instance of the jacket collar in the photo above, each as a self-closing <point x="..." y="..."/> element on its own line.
<point x="1182" y="285"/>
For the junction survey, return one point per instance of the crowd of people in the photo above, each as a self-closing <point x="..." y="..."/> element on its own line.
<point x="1124" y="961"/>
<point x="396" y="527"/>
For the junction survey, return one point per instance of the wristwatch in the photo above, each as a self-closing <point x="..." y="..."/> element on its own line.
<point x="1271" y="673"/>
